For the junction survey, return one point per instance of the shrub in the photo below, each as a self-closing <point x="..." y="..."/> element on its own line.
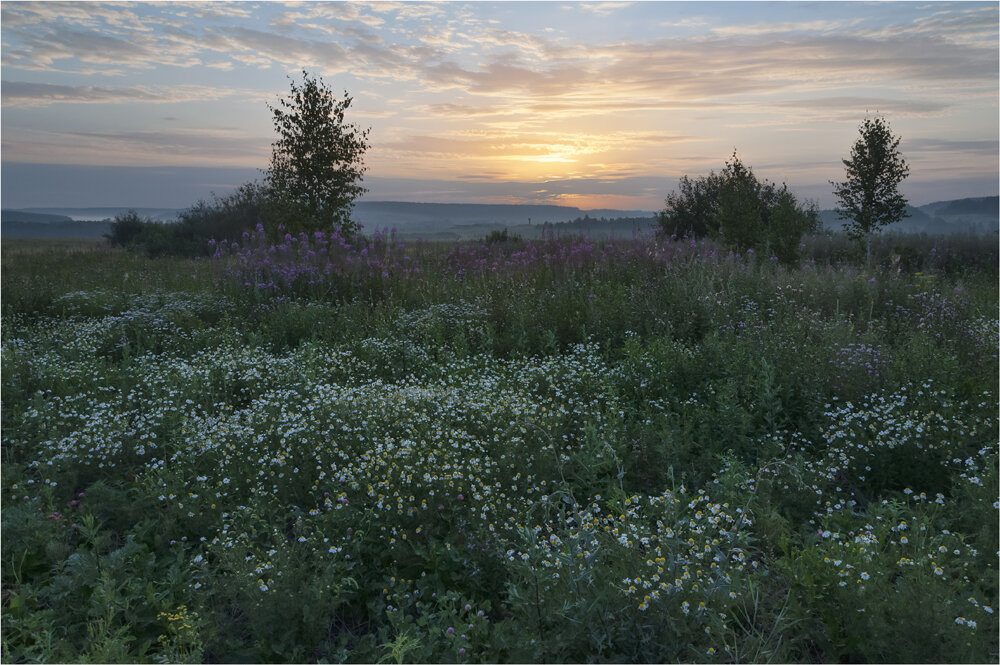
<point x="151" y="237"/>
<point x="225" y="216"/>
<point x="127" y="228"/>
<point x="741" y="210"/>
<point x="499" y="237"/>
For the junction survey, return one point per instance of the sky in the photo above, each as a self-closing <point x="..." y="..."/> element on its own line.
<point x="587" y="104"/>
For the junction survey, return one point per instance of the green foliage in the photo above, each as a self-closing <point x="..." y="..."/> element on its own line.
<point x="692" y="209"/>
<point x="742" y="211"/>
<point x="504" y="236"/>
<point x="316" y="163"/>
<point x="869" y="196"/>
<point x="699" y="461"/>
<point x="225" y="217"/>
<point x="313" y="179"/>
<point x="127" y="228"/>
<point x="152" y="238"/>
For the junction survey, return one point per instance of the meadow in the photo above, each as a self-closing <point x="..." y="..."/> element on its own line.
<point x="323" y="449"/>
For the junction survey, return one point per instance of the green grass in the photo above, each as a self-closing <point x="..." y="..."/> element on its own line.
<point x="708" y="461"/>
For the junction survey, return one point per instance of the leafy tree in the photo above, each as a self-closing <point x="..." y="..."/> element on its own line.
<point x="870" y="197"/>
<point x="690" y="210"/>
<point x="317" y="162"/>
<point x="740" y="210"/>
<point x="742" y="204"/>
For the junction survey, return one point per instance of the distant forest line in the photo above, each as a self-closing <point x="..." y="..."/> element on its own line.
<point x="451" y="221"/>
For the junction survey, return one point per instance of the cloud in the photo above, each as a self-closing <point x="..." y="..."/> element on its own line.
<point x="507" y="155"/>
<point x="181" y="147"/>
<point x="628" y="193"/>
<point x="600" y="8"/>
<point x="975" y="24"/>
<point x="462" y="110"/>
<point x="283" y="49"/>
<point x="523" y="42"/>
<point x="88" y="15"/>
<point x="41" y="50"/>
<point x="725" y="61"/>
<point x="493" y="145"/>
<point x="220" y="10"/>
<point x="21" y="94"/>
<point x="771" y="29"/>
<point x="264" y="48"/>
<point x="720" y="68"/>
<point x="989" y="148"/>
<point x="488" y="147"/>
<point x="86" y="185"/>
<point x="311" y="13"/>
<point x="406" y="10"/>
<point x="505" y="77"/>
<point x="178" y="143"/>
<point x="852" y="107"/>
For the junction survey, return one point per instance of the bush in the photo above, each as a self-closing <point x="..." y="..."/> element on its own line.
<point x="151" y="237"/>
<point x="741" y="210"/>
<point x="500" y="237"/>
<point x="225" y="217"/>
<point x="127" y="228"/>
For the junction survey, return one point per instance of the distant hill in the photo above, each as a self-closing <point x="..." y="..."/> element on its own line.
<point x="986" y="206"/>
<point x="56" y="229"/>
<point x="101" y="214"/>
<point x="7" y="216"/>
<point x="972" y="215"/>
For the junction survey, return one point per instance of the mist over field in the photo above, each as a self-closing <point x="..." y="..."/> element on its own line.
<point x="978" y="216"/>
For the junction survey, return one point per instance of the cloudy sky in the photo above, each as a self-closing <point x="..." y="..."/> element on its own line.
<point x="587" y="104"/>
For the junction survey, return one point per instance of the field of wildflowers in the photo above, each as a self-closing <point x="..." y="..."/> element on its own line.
<point x="370" y="450"/>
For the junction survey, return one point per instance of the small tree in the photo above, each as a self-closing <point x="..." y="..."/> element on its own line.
<point x="743" y="204"/>
<point x="317" y="161"/>
<point x="870" y="197"/>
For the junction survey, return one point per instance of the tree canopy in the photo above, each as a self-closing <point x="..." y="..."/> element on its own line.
<point x="740" y="210"/>
<point x="869" y="196"/>
<point x="317" y="162"/>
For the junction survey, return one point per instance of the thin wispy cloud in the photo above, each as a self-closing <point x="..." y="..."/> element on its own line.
<point x="602" y="8"/>
<point x="782" y="28"/>
<point x="964" y="147"/>
<point x="21" y="94"/>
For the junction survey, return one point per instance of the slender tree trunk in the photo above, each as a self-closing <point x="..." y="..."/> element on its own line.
<point x="868" y="250"/>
